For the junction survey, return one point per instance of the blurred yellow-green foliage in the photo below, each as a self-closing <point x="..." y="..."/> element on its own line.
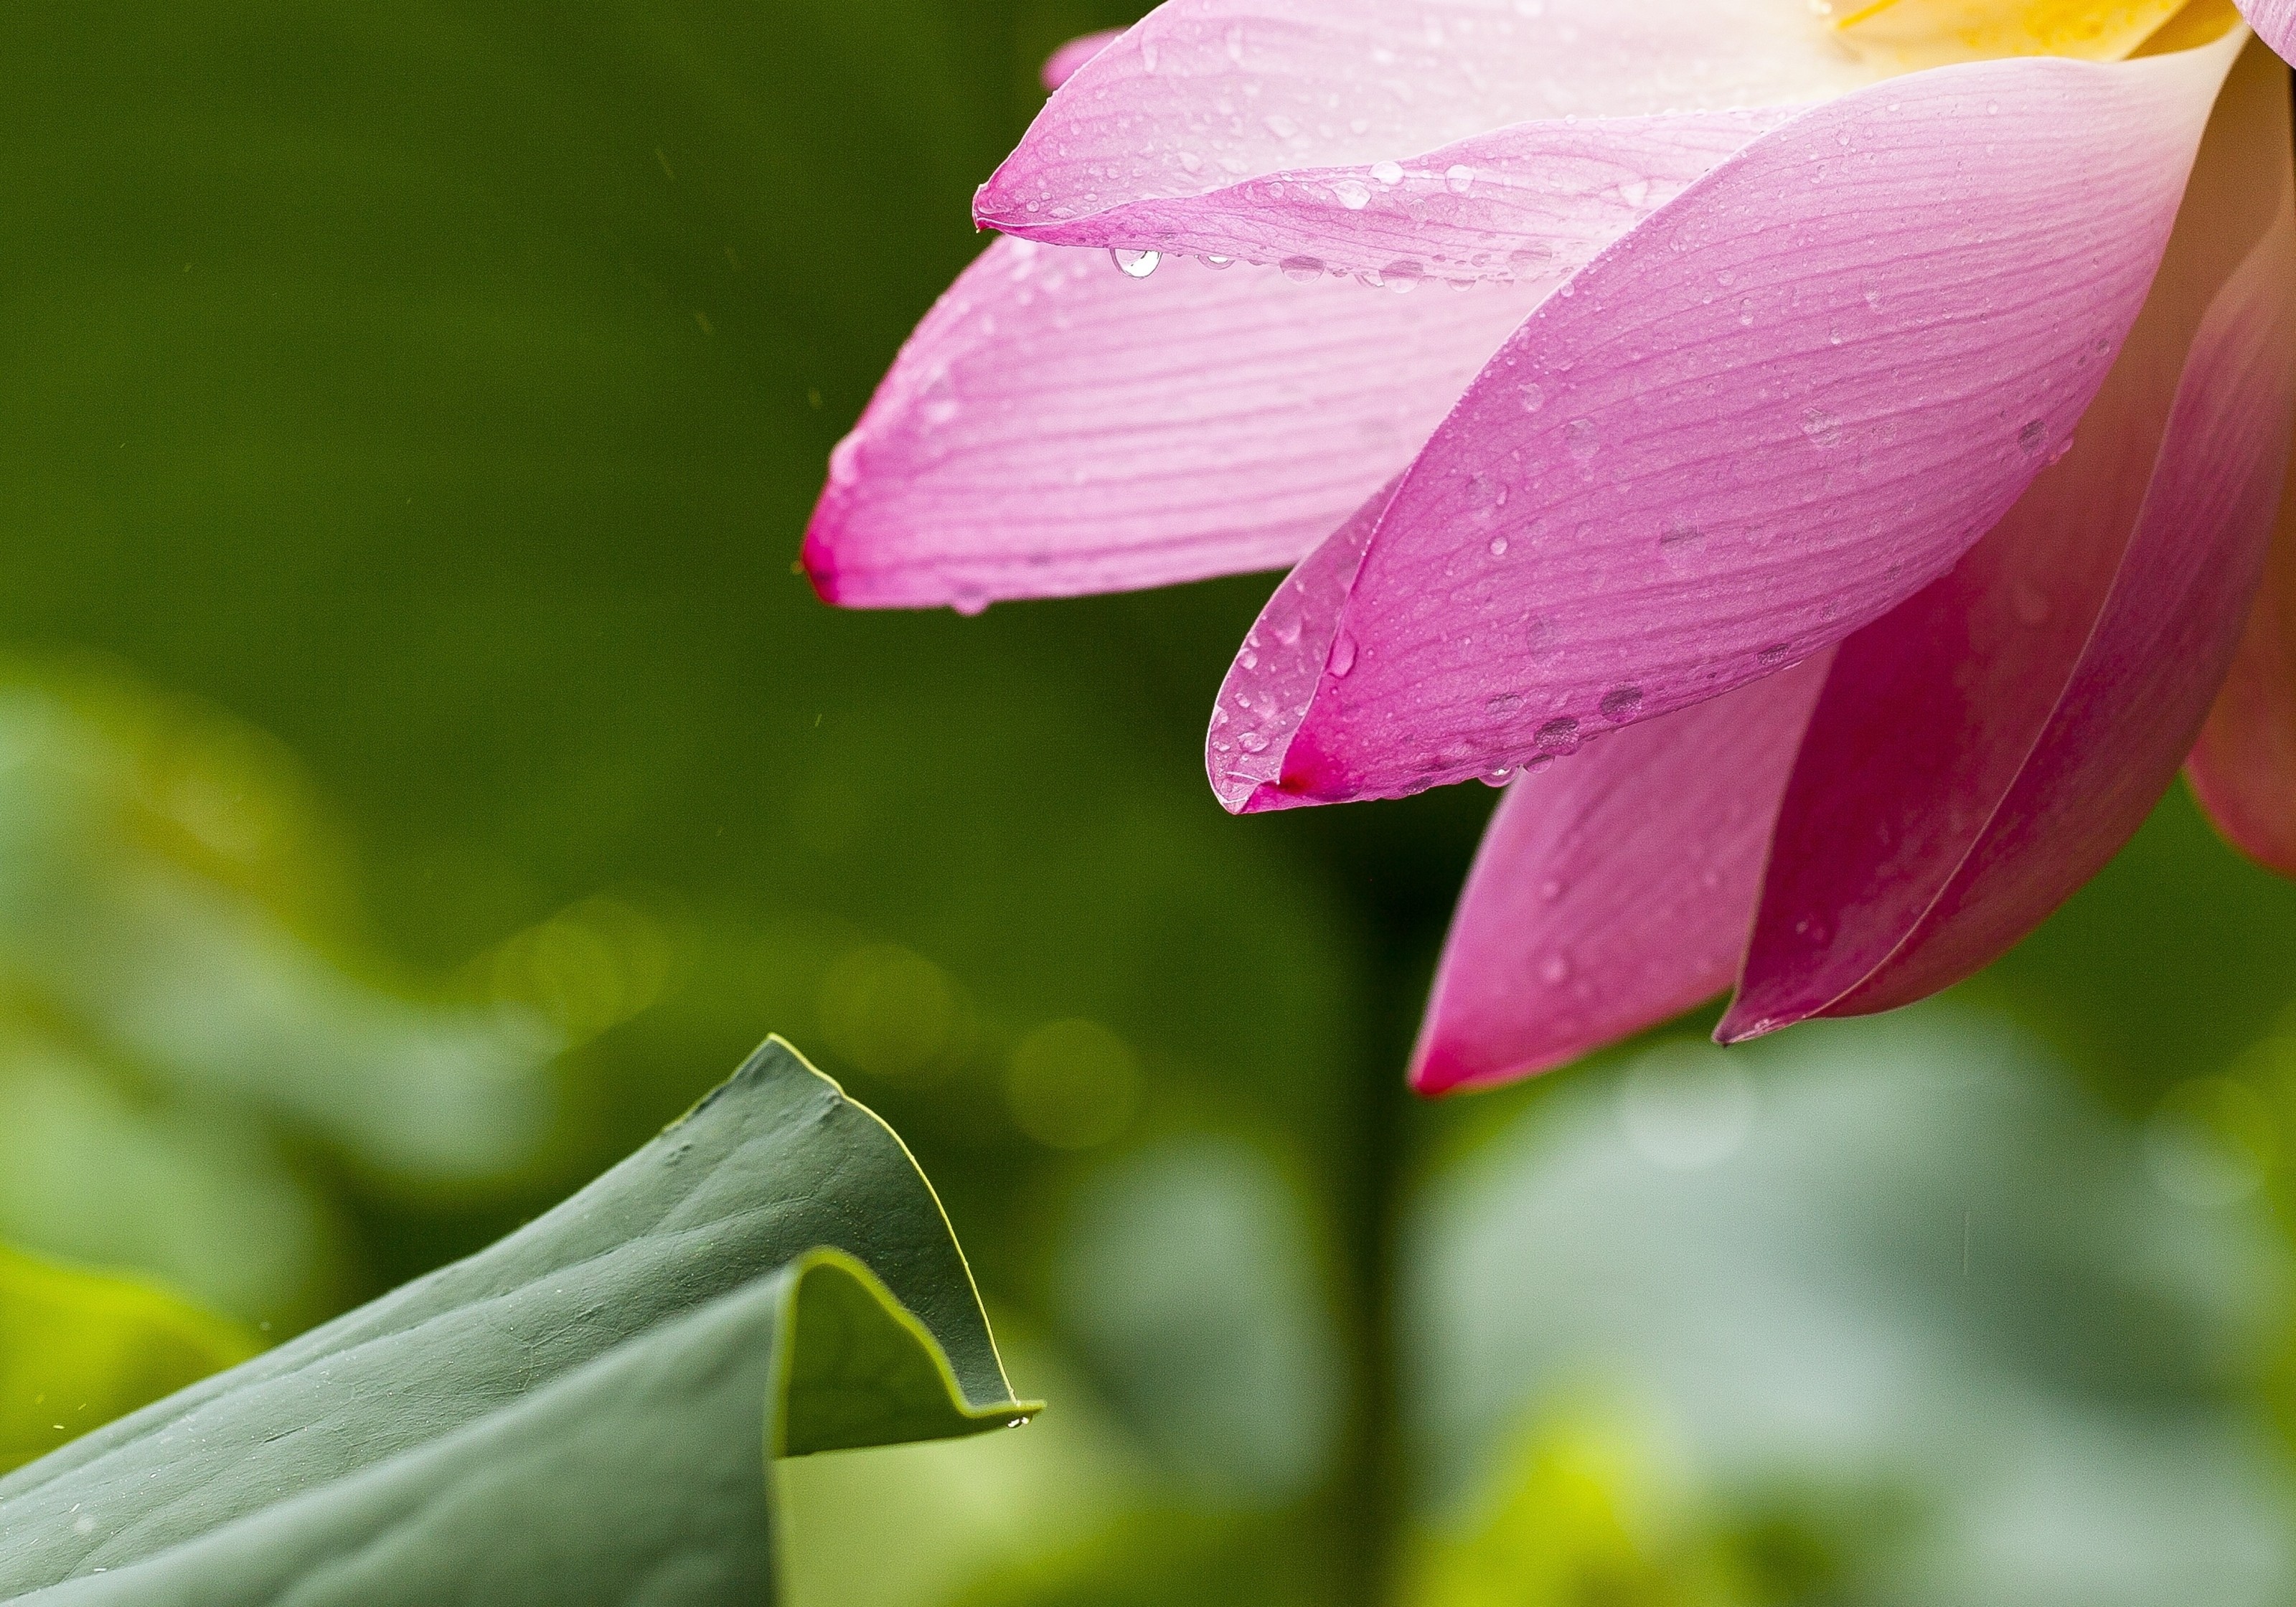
<point x="421" y="776"/>
<point x="78" y="1349"/>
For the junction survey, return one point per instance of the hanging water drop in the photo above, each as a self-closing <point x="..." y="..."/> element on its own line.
<point x="1136" y="265"/>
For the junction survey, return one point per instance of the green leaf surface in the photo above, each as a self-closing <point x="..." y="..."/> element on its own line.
<point x="581" y="1414"/>
<point x="78" y="1347"/>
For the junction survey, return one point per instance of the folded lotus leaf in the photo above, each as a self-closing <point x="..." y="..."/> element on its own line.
<point x="582" y="1412"/>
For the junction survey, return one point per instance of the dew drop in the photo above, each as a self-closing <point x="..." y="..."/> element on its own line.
<point x="1136" y="264"/>
<point x="1403" y="276"/>
<point x="1459" y="178"/>
<point x="1533" y="398"/>
<point x="1823" y="427"/>
<point x="1555" y="971"/>
<point x="1216" y="263"/>
<point x="1622" y="703"/>
<point x="1354" y="194"/>
<point x="1560" y="733"/>
<point x="1502" y="703"/>
<point x="1387" y="174"/>
<point x="1252" y="742"/>
<point x="1579" y="439"/>
<point x="969" y="598"/>
<point x="2033" y="437"/>
<point x="1301" y="269"/>
<point x="1498" y="546"/>
<point x="1550" y="890"/>
<point x="1343" y="655"/>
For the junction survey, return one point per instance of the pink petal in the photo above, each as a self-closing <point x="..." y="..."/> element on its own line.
<point x="1980" y="752"/>
<point x="1062" y="65"/>
<point x="2274" y="22"/>
<point x="1055" y="428"/>
<point x="1202" y="95"/>
<point x="1613" y="889"/>
<point x="2243" y="767"/>
<point x="1529" y="201"/>
<point x="1770" y="414"/>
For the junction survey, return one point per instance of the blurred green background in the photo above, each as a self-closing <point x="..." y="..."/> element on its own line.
<point x="422" y="774"/>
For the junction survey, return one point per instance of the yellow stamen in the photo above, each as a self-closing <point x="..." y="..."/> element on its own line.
<point x="1904" y="35"/>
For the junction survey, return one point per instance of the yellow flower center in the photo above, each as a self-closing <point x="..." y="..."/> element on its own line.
<point x="1904" y="35"/>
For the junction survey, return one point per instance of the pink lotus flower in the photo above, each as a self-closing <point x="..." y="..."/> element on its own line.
<point x="1832" y="489"/>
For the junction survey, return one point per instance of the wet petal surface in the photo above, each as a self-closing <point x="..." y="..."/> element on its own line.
<point x="1982" y="752"/>
<point x="1055" y="427"/>
<point x="1776" y="410"/>
<point x="1528" y="200"/>
<point x="1203" y="94"/>
<point x="1613" y="888"/>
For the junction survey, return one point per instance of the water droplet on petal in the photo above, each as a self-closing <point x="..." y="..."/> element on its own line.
<point x="1343" y="654"/>
<point x="969" y="598"/>
<point x="1459" y="178"/>
<point x="1533" y="398"/>
<point x="2033" y="437"/>
<point x="1498" y="546"/>
<point x="1502" y="703"/>
<point x="1580" y="440"/>
<point x="1302" y="269"/>
<point x="1136" y="264"/>
<point x="1354" y="194"/>
<point x="1217" y="262"/>
<point x="1622" y="703"/>
<point x="1387" y="174"/>
<point x="1560" y="734"/>
<point x="1823" y="429"/>
<point x="1555" y="971"/>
